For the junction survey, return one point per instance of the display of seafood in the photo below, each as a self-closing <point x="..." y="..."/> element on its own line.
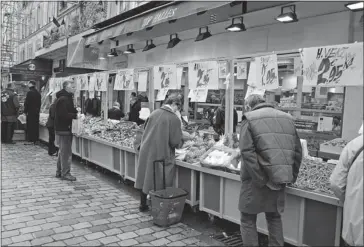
<point x="118" y="132"/>
<point x="314" y="175"/>
<point x="43" y="117"/>
<point x="338" y="142"/>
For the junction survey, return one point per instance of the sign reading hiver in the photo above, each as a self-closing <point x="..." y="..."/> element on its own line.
<point x="337" y="65"/>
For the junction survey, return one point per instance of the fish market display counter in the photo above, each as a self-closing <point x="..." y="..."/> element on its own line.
<point x="310" y="218"/>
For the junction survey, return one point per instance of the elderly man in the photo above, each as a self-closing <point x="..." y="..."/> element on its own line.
<point x="271" y="157"/>
<point x="65" y="112"/>
<point x="115" y="112"/>
<point x="162" y="134"/>
<point x="9" y="112"/>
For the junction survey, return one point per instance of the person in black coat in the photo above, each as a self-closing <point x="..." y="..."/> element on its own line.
<point x="52" y="149"/>
<point x="219" y="123"/>
<point x="115" y="112"/>
<point x="32" y="109"/>
<point x="135" y="107"/>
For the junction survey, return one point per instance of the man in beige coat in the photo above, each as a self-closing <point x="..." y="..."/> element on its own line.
<point x="347" y="183"/>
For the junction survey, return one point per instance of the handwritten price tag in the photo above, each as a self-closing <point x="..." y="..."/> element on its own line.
<point x="339" y="65"/>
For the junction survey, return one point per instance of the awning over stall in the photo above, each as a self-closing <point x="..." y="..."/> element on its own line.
<point x="172" y="12"/>
<point x="32" y="69"/>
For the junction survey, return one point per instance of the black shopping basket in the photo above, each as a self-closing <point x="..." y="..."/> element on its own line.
<point x="167" y="204"/>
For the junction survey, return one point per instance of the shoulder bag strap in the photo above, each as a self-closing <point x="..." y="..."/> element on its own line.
<point x="356" y="156"/>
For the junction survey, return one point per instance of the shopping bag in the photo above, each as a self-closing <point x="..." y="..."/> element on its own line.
<point x="77" y="127"/>
<point x="22" y="118"/>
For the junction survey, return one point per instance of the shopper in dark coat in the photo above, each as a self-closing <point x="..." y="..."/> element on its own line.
<point x="9" y="113"/>
<point x="52" y="149"/>
<point x="32" y="109"/>
<point x="271" y="157"/>
<point x="219" y="125"/>
<point x="65" y="112"/>
<point x="162" y="134"/>
<point x="115" y="113"/>
<point x="135" y="107"/>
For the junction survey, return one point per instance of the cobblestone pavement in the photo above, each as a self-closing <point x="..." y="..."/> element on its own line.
<point x="39" y="209"/>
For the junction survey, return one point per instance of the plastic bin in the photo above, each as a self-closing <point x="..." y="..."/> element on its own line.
<point x="167" y="204"/>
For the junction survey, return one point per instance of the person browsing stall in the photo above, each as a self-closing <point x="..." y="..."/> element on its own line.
<point x="163" y="127"/>
<point x="115" y="112"/>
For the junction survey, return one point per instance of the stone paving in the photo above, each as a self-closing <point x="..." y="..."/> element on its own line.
<point x="39" y="209"/>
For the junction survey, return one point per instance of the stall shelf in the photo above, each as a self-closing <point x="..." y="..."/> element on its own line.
<point x="309" y="218"/>
<point x="43" y="133"/>
<point x="112" y="157"/>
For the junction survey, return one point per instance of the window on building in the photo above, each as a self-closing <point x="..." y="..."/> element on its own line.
<point x="39" y="15"/>
<point x="24" y="5"/>
<point x="62" y="5"/>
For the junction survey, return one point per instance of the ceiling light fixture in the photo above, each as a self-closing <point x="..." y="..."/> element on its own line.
<point x="87" y="46"/>
<point x="355" y="6"/>
<point x="149" y="28"/>
<point x="129" y="34"/>
<point x="173" y="41"/>
<point x="112" y="53"/>
<point x="288" y="17"/>
<point x="100" y="42"/>
<point x="202" y="36"/>
<point x="102" y="57"/>
<point x="236" y="27"/>
<point x="149" y="46"/>
<point x="129" y="49"/>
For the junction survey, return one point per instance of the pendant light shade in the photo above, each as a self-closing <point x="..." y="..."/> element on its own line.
<point x="129" y="49"/>
<point x="173" y="41"/>
<point x="236" y="27"/>
<point x="149" y="46"/>
<point x="288" y="17"/>
<point x="202" y="36"/>
<point x="356" y="6"/>
<point x="112" y="53"/>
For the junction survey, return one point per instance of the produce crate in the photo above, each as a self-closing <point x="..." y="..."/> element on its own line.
<point x="188" y="178"/>
<point x="310" y="218"/>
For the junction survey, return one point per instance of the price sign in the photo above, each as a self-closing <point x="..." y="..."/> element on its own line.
<point x="267" y="72"/>
<point x="338" y="65"/>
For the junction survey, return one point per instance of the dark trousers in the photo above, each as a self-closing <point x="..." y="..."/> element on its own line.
<point x="249" y="233"/>
<point x="65" y="155"/>
<point x="7" y="131"/>
<point x="143" y="199"/>
<point x="52" y="137"/>
<point x="33" y="127"/>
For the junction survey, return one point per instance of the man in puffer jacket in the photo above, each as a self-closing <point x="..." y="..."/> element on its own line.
<point x="271" y="157"/>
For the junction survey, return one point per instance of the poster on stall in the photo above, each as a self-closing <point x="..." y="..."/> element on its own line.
<point x="267" y="72"/>
<point x="252" y="76"/>
<point x="203" y="75"/>
<point x="101" y="81"/>
<point x="162" y="93"/>
<point x="84" y="82"/>
<point x="142" y="81"/>
<point x="165" y="77"/>
<point x="297" y="63"/>
<point x="222" y="69"/>
<point x="241" y="68"/>
<point x="52" y="85"/>
<point x="179" y="77"/>
<point x="337" y="65"/>
<point x="198" y="95"/>
<point x="59" y="82"/>
<point x="78" y="83"/>
<point x="253" y="90"/>
<point x="124" y="80"/>
<point x="92" y="84"/>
